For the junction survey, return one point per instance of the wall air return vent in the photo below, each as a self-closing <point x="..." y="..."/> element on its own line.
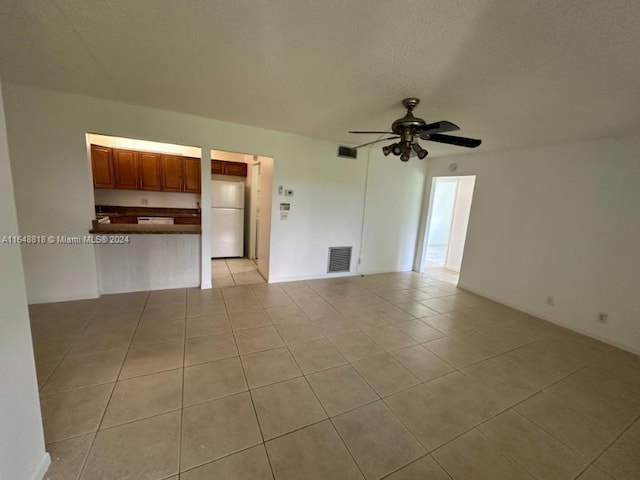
<point x="339" y="259"/>
<point x="347" y="152"/>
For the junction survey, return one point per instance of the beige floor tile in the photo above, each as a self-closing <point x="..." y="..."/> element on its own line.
<point x="204" y="325"/>
<point x="67" y="457"/>
<point x="286" y="406"/>
<point x="85" y="370"/>
<point x="252" y="340"/>
<point x="250" y="464"/>
<point x="416" y="309"/>
<point x="355" y="346"/>
<point x="341" y="389"/>
<point x="144" y="450"/>
<point x="633" y="434"/>
<point x="379" y="443"/>
<point x="333" y="325"/>
<point x="573" y="347"/>
<point x="152" y="359"/>
<point x="74" y="413"/>
<point x="164" y="311"/>
<point x="315" y="356"/>
<point x="314" y="452"/>
<point x="623" y="366"/>
<point x="103" y="339"/>
<point x="243" y="304"/>
<point x="621" y="460"/>
<point x="419" y="331"/>
<point x="48" y="349"/>
<point x="285" y="313"/>
<point x="423" y="364"/>
<point x="450" y="324"/>
<point x="389" y="338"/>
<point x="247" y="278"/>
<point x="44" y="369"/>
<point x="218" y="428"/>
<point x="224" y="280"/>
<point x="248" y="319"/>
<point x="426" y="468"/>
<point x="149" y="333"/>
<point x="608" y="402"/>
<point x="316" y="309"/>
<point x="385" y="374"/>
<point x="277" y="299"/>
<point x="534" y="449"/>
<point x="474" y="457"/>
<point x="446" y="407"/>
<point x="209" y="348"/>
<point x="265" y="368"/>
<point x="558" y="417"/>
<point x="594" y="473"/>
<point x="209" y="381"/>
<point x="461" y="351"/>
<point x="299" y="332"/>
<point x="143" y="397"/>
<point x="206" y="307"/>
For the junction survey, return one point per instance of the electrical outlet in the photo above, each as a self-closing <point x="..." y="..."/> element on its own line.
<point x="603" y="317"/>
<point x="144" y="201"/>
<point x="288" y="193"/>
<point x="551" y="301"/>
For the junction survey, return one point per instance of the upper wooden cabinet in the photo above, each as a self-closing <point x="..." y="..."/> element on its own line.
<point x="172" y="173"/>
<point x="102" y="167"/>
<point x="222" y="167"/>
<point x="191" y="175"/>
<point x="150" y="171"/>
<point x="125" y="167"/>
<point x="132" y="170"/>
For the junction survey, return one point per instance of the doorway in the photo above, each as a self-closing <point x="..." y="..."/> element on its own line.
<point x="449" y="211"/>
<point x="250" y="177"/>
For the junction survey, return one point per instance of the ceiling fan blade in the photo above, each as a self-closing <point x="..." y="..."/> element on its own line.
<point x="376" y="141"/>
<point x="439" y="127"/>
<point x="363" y="131"/>
<point x="450" y="139"/>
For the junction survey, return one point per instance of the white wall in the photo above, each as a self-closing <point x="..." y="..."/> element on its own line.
<point x="54" y="191"/>
<point x="459" y="222"/>
<point x="393" y="204"/>
<point x="22" y="454"/>
<point x="558" y="221"/>
<point x="266" y="217"/>
<point x="444" y="200"/>
<point x="136" y="198"/>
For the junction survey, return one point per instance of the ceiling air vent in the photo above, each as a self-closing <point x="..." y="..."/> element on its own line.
<point x="347" y="152"/>
<point x="339" y="259"/>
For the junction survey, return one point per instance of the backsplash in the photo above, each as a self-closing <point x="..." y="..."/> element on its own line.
<point x="136" y="198"/>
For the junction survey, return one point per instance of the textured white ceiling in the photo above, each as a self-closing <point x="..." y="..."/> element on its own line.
<point x="514" y="73"/>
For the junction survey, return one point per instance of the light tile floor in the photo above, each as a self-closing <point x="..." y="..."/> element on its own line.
<point x="230" y="272"/>
<point x="398" y="376"/>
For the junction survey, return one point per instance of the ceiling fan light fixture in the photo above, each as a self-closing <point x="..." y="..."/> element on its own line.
<point x="396" y="149"/>
<point x="387" y="150"/>
<point x="421" y="152"/>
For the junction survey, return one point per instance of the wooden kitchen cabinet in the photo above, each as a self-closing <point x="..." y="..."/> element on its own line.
<point x="172" y="173"/>
<point x="150" y="165"/>
<point x="102" y="167"/>
<point x="125" y="168"/>
<point x="222" y="167"/>
<point x="191" y="175"/>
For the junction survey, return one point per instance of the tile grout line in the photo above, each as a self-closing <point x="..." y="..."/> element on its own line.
<point x="84" y="464"/>
<point x="184" y="356"/>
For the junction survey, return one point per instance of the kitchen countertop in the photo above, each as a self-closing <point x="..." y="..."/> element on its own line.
<point x="116" y="211"/>
<point x="135" y="228"/>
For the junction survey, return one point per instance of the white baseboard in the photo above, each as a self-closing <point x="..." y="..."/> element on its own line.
<point x="42" y="468"/>
<point x="542" y="316"/>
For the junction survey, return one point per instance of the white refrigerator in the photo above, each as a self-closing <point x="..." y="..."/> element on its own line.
<point x="227" y="219"/>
